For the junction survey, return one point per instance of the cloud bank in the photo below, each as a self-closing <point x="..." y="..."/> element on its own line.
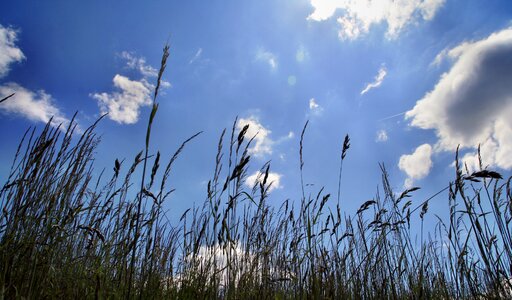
<point x="358" y="16"/>
<point x="472" y="102"/>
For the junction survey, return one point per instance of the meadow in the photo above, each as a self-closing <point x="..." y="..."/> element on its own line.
<point x="68" y="234"/>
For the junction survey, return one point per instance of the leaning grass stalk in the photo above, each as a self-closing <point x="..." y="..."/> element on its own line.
<point x="154" y="109"/>
<point x="302" y="160"/>
<point x="346" y="145"/>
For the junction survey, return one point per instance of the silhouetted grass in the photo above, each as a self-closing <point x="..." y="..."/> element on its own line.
<point x="65" y="234"/>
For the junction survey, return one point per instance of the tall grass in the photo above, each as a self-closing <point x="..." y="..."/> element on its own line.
<point x="66" y="234"/>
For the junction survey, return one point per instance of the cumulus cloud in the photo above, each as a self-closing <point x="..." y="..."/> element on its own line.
<point x="416" y="165"/>
<point x="262" y="143"/>
<point x="324" y="9"/>
<point x="382" y="136"/>
<point x="123" y="106"/>
<point x="35" y="106"/>
<point x="274" y="179"/>
<point x="379" y="78"/>
<point x="472" y="102"/>
<point x="267" y="57"/>
<point x="9" y="52"/>
<point x="358" y="16"/>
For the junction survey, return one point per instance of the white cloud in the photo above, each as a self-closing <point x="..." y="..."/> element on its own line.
<point x="358" y="16"/>
<point x="428" y="8"/>
<point x="314" y="107"/>
<point x="487" y="152"/>
<point x="9" y="52"/>
<point x="123" y="106"/>
<point x="324" y="9"/>
<point x="165" y="84"/>
<point x="472" y="102"/>
<point x="221" y="255"/>
<point x="262" y="143"/>
<point x="274" y="179"/>
<point x="196" y="56"/>
<point x="235" y="254"/>
<point x="313" y="104"/>
<point x="38" y="107"/>
<point x="492" y="152"/>
<point x="382" y="136"/>
<point x="285" y="138"/>
<point x="267" y="57"/>
<point x="379" y="78"/>
<point x="139" y="63"/>
<point x="416" y="165"/>
<point x="35" y="106"/>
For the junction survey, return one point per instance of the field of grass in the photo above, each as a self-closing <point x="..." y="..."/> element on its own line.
<point x="65" y="234"/>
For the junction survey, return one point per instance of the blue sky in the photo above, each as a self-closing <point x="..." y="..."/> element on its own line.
<point x="407" y="80"/>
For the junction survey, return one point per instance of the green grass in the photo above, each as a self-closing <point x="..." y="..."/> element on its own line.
<point x="67" y="234"/>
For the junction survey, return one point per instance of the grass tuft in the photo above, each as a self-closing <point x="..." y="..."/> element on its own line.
<point x="67" y="233"/>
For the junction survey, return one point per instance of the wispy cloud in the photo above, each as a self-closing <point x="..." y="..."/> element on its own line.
<point x="274" y="180"/>
<point x="139" y="64"/>
<point x="472" y="102"/>
<point x="302" y="54"/>
<point x="379" y="78"/>
<point x="285" y="138"/>
<point x="9" y="51"/>
<point x="416" y="165"/>
<point x="196" y="56"/>
<point x="382" y="136"/>
<point x="357" y="17"/>
<point x="267" y="57"/>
